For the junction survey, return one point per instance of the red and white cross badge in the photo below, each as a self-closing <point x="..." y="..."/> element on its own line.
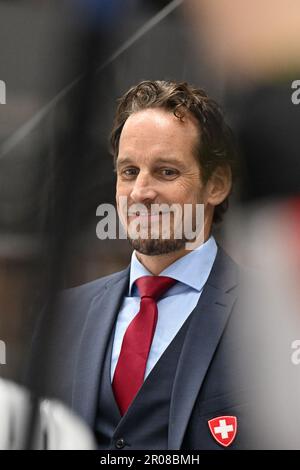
<point x="223" y="429"/>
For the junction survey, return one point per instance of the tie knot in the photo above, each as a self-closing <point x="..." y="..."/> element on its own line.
<point x="154" y="286"/>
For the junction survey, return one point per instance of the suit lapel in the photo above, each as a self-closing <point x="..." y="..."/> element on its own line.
<point x="207" y="325"/>
<point x="99" y="324"/>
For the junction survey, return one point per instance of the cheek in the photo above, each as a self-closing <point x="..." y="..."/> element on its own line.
<point x="123" y="187"/>
<point x="119" y="193"/>
<point x="188" y="189"/>
<point x="118" y="185"/>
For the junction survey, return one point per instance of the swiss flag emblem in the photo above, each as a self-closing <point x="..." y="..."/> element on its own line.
<point x="223" y="429"/>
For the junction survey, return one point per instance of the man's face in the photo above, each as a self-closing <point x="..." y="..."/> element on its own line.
<point x="156" y="164"/>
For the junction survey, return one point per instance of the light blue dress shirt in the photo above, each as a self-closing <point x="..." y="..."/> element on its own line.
<point x="191" y="271"/>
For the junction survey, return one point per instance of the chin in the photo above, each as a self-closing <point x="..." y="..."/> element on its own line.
<point x="156" y="247"/>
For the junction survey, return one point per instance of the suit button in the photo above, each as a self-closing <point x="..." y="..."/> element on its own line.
<point x="120" y="443"/>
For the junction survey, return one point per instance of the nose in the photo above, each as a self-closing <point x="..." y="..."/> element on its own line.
<point x="143" y="189"/>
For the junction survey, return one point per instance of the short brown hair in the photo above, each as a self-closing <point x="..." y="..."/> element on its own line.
<point x="216" y="145"/>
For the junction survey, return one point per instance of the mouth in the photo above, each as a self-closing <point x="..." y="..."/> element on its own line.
<point x="146" y="215"/>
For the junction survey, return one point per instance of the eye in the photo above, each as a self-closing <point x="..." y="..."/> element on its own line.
<point x="169" y="172"/>
<point x="129" y="172"/>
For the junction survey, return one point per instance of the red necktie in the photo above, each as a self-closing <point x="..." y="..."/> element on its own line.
<point x="131" y="366"/>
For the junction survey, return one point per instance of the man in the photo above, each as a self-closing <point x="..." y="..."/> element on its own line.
<point x="146" y="356"/>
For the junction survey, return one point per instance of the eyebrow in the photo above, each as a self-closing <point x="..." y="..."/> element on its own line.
<point x="167" y="161"/>
<point x="123" y="161"/>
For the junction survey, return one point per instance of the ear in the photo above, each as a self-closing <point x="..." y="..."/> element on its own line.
<point x="219" y="185"/>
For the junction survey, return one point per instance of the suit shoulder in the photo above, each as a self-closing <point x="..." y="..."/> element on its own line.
<point x="232" y="275"/>
<point x="91" y="288"/>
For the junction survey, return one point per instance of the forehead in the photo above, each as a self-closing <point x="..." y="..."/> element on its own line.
<point x="158" y="130"/>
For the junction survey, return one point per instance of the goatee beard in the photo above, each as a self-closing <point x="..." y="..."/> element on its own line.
<point x="152" y="247"/>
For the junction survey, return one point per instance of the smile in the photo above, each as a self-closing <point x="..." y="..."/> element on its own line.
<point x="148" y="215"/>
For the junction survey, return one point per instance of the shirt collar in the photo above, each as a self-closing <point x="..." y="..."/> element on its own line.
<point x="192" y="269"/>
